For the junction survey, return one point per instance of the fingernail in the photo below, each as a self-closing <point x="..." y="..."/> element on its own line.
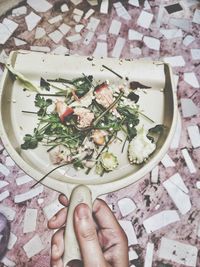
<point x="82" y="211"/>
<point x="54" y="249"/>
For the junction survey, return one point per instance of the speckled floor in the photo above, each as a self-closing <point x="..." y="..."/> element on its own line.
<point x="161" y="212"/>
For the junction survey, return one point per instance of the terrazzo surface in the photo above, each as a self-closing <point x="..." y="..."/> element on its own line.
<point x="161" y="212"/>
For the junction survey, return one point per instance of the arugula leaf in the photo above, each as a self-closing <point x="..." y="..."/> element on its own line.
<point x="83" y="85"/>
<point x="44" y="84"/>
<point x="42" y="103"/>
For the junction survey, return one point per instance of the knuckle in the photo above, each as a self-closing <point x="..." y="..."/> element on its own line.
<point x="89" y="234"/>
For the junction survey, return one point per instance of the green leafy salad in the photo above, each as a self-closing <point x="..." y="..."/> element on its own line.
<point x="79" y="119"/>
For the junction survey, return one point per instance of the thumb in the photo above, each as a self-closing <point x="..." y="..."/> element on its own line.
<point x="87" y="237"/>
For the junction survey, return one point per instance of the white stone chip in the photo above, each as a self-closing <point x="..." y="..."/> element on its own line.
<point x="88" y="38"/>
<point x="29" y="194"/>
<point x="30" y="219"/>
<point x="160" y="14"/>
<point x="160" y="220"/>
<point x="134" y="35"/>
<point x="10" y="25"/>
<point x="194" y="135"/>
<point x="121" y="11"/>
<point x="188" y="161"/>
<point x="188" y="40"/>
<point x="89" y="13"/>
<point x="149" y="255"/>
<point x="177" y="135"/>
<point x="145" y="19"/>
<point x="51" y="209"/>
<point x="178" y="252"/>
<point x="38" y="48"/>
<point x="167" y="161"/>
<point x="195" y="53"/>
<point x="115" y="27"/>
<point x="104" y="6"/>
<point x="134" y="3"/>
<point x="7" y="27"/>
<point x="3" y="57"/>
<point x="4" y="170"/>
<point x="198" y="231"/>
<point x="60" y="50"/>
<point x="39" y="5"/>
<point x="132" y="255"/>
<point x="172" y="33"/>
<point x="23" y="180"/>
<point x="32" y="20"/>
<point x="175" y="61"/>
<point x="39" y="33"/>
<point x="78" y="28"/>
<point x="56" y="36"/>
<point x="40" y="201"/>
<point x="126" y="206"/>
<point x="19" y="11"/>
<point x="178" y="192"/>
<point x="3" y="184"/>
<point x="55" y="19"/>
<point x="152" y="43"/>
<point x="12" y="240"/>
<point x="198" y="185"/>
<point x="183" y="24"/>
<point x="19" y="42"/>
<point x="101" y="50"/>
<point x="147" y="5"/>
<point x="119" y="45"/>
<point x="154" y="175"/>
<point x="189" y="108"/>
<point x="78" y="12"/>
<point x="64" y="8"/>
<point x="130" y="232"/>
<point x="93" y="24"/>
<point x="93" y="2"/>
<point x="136" y="51"/>
<point x="191" y="79"/>
<point x="196" y="17"/>
<point x="8" y="262"/>
<point x="76" y="2"/>
<point x="8" y="212"/>
<point x="33" y="246"/>
<point x="74" y="38"/>
<point x="4" y="195"/>
<point x="64" y="28"/>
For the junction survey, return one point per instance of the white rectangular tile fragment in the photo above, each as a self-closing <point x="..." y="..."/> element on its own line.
<point x="3" y="56"/>
<point x="101" y="50"/>
<point x="12" y="240"/>
<point x="134" y="35"/>
<point x="7" y="27"/>
<point x="149" y="255"/>
<point x="145" y="19"/>
<point x="76" y="2"/>
<point x="130" y="232"/>
<point x="23" y="180"/>
<point x="32" y="20"/>
<point x="88" y="38"/>
<point x="19" y="42"/>
<point x="78" y="12"/>
<point x="134" y="3"/>
<point x="195" y="52"/>
<point x="56" y="36"/>
<point x="175" y="61"/>
<point x="38" y="48"/>
<point x="39" y="5"/>
<point x="178" y="252"/>
<point x="33" y="246"/>
<point x="8" y="262"/>
<point x="64" y="28"/>
<point x="104" y="6"/>
<point x="30" y="219"/>
<point x="132" y="255"/>
<point x="121" y="11"/>
<point x="115" y="27"/>
<point x="51" y="209"/>
<point x="39" y="33"/>
<point x="160" y="220"/>
<point x="188" y="40"/>
<point x="4" y="170"/>
<point x="189" y="108"/>
<point x="119" y="45"/>
<point x="55" y="19"/>
<point x="64" y="8"/>
<point x="198" y="230"/>
<point x="183" y="24"/>
<point x="60" y="50"/>
<point x="154" y="175"/>
<point x="126" y="206"/>
<point x="19" y="11"/>
<point x="74" y="38"/>
<point x="79" y="27"/>
<point x="3" y="184"/>
<point x="188" y="160"/>
<point x="4" y="195"/>
<point x="89" y="13"/>
<point x="160" y="15"/>
<point x="152" y="43"/>
<point x="194" y="135"/>
<point x="29" y="194"/>
<point x="172" y="33"/>
<point x="8" y="212"/>
<point x="93" y="24"/>
<point x="178" y="193"/>
<point x="93" y="2"/>
<point x="136" y="51"/>
<point x="10" y="25"/>
<point x="196" y="17"/>
<point x="191" y="79"/>
<point x="167" y="161"/>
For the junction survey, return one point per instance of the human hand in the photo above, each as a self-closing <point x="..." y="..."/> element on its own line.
<point x="102" y="241"/>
